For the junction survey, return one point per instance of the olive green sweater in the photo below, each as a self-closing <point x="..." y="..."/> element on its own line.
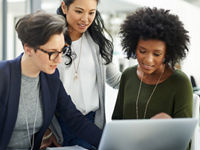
<point x="173" y="96"/>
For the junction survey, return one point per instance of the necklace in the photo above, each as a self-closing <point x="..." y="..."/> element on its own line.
<point x="145" y="111"/>
<point x="76" y="67"/>
<point x="27" y="125"/>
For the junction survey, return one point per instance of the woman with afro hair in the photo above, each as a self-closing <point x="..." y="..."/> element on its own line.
<point x="154" y="88"/>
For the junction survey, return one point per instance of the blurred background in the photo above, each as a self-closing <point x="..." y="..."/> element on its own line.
<point x="113" y="13"/>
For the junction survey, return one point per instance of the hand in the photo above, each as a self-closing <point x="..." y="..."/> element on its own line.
<point x="48" y="140"/>
<point x="161" y="115"/>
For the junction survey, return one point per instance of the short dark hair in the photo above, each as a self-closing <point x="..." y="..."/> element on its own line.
<point x="35" y="29"/>
<point x="153" y="23"/>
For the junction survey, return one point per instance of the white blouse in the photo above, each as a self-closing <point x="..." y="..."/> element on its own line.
<point x="83" y="89"/>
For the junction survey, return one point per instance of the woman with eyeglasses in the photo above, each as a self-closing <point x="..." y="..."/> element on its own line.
<point x="30" y="88"/>
<point x="91" y="66"/>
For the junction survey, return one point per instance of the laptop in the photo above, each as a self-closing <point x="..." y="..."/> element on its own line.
<point x="148" y="134"/>
<point x="76" y="147"/>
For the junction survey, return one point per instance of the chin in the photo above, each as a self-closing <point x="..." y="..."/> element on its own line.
<point x="82" y="30"/>
<point x="50" y="71"/>
<point x="148" y="71"/>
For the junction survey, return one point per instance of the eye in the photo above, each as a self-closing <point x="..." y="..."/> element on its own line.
<point x="157" y="54"/>
<point x="78" y="11"/>
<point x="142" y="51"/>
<point x="91" y="13"/>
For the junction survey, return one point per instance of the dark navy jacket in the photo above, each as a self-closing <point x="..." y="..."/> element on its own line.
<point x="54" y="99"/>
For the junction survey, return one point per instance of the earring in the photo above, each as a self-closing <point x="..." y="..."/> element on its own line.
<point x="164" y="60"/>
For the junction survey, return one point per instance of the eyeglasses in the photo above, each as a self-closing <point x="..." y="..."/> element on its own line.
<point x="54" y="55"/>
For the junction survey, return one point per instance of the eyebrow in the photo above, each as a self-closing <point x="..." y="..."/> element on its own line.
<point x="141" y="47"/>
<point x="83" y="9"/>
<point x="55" y="50"/>
<point x="157" y="50"/>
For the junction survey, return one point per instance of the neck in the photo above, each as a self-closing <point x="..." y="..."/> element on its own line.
<point x="74" y="35"/>
<point x="28" y="68"/>
<point x="153" y="77"/>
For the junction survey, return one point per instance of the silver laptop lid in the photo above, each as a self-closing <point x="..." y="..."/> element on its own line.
<point x="153" y="134"/>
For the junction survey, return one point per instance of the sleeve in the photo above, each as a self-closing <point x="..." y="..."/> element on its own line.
<point x="113" y="75"/>
<point x="75" y="120"/>
<point x="118" y="109"/>
<point x="5" y="81"/>
<point x="56" y="130"/>
<point x="183" y="98"/>
<point x="55" y="126"/>
<point x="4" y="90"/>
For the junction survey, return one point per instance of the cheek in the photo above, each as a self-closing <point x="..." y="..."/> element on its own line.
<point x="91" y="19"/>
<point x="159" y="60"/>
<point x="72" y="17"/>
<point x="139" y="56"/>
<point x="43" y="60"/>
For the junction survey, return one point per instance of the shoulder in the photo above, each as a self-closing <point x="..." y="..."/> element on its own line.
<point x="5" y="76"/>
<point x="179" y="76"/>
<point x="129" y="71"/>
<point x="4" y="64"/>
<point x="5" y="67"/>
<point x="90" y="41"/>
<point x="179" y="80"/>
<point x="129" y="74"/>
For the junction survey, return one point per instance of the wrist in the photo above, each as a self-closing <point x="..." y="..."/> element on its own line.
<point x="47" y="136"/>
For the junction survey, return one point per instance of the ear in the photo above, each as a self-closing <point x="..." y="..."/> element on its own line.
<point x="63" y="7"/>
<point x="28" y="50"/>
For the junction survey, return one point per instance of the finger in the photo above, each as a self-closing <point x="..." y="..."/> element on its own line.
<point x="56" y="143"/>
<point x="45" y="144"/>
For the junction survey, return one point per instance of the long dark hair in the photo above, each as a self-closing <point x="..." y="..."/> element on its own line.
<point x="96" y="31"/>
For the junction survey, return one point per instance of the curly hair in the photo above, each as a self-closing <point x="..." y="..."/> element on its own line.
<point x="153" y="23"/>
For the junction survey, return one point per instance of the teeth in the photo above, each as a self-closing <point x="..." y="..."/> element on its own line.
<point x="148" y="65"/>
<point x="82" y="25"/>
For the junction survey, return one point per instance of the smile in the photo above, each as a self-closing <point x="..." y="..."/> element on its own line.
<point x="147" y="67"/>
<point x="82" y="25"/>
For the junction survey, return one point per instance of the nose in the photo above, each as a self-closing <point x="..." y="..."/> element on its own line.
<point x="149" y="59"/>
<point x="58" y="59"/>
<point x="84" y="18"/>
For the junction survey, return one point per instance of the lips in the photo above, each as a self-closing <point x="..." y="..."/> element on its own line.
<point x="53" y="66"/>
<point x="147" y="67"/>
<point x="82" y="26"/>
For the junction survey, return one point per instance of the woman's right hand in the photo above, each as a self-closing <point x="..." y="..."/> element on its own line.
<point x="161" y="115"/>
<point x="48" y="140"/>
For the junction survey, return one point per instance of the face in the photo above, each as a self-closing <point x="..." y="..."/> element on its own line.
<point x="150" y="55"/>
<point x="80" y="14"/>
<point x="41" y="58"/>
